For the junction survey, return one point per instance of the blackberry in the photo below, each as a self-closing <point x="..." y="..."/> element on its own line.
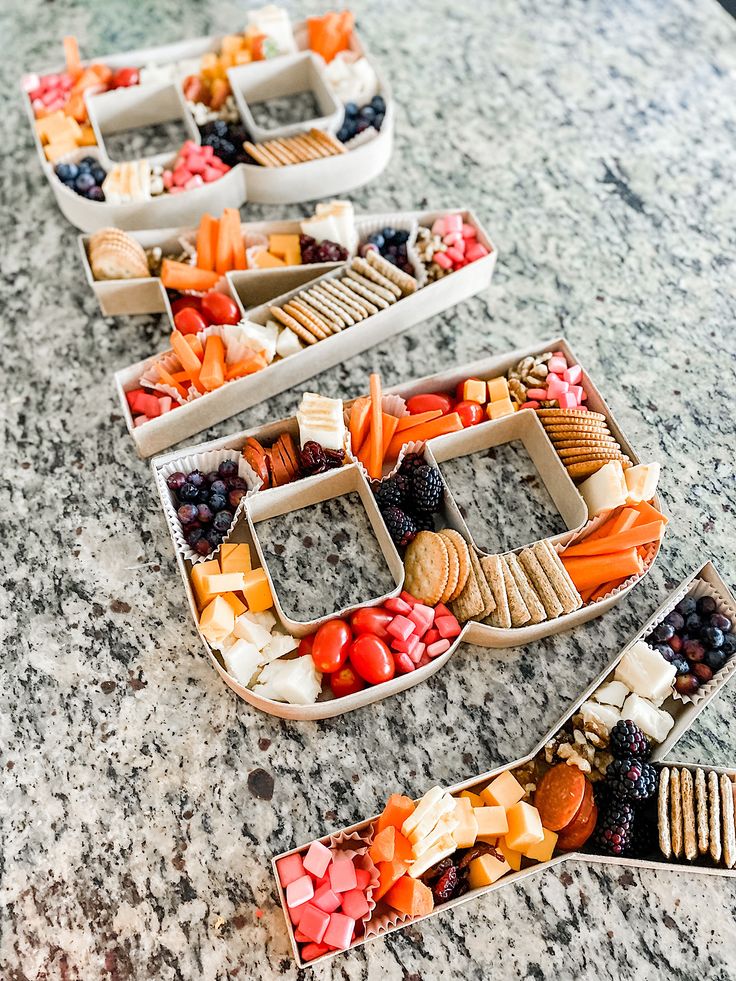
<point x="400" y="526"/>
<point x="425" y="489"/>
<point x="631" y="779"/>
<point x="423" y="520"/>
<point x="643" y="839"/>
<point x="391" y="492"/>
<point x="614" y="830"/>
<point x="627" y="739"/>
<point x="411" y="461"/>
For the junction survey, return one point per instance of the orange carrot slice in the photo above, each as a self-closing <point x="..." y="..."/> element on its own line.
<point x="389" y="424"/>
<point x="189" y="360"/>
<point x="605" y="588"/>
<point x="168" y="379"/>
<point x="247" y="366"/>
<point x="631" y="538"/>
<point x="71" y="56"/>
<point x="388" y="874"/>
<point x="408" y="422"/>
<point x="410" y="896"/>
<point x="383" y="846"/>
<point x="205" y="243"/>
<point x="451" y="423"/>
<point x="376" y="434"/>
<point x="592" y="570"/>
<point x="237" y="243"/>
<point x="180" y="276"/>
<point x="649" y="513"/>
<point x="212" y="373"/>
<point x="360" y="420"/>
<point x="397" y="810"/>
<point x="195" y="344"/>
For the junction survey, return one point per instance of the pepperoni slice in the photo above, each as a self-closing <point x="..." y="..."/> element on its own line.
<point x="559" y="795"/>
<point x="583" y="812"/>
<point x="576" y="835"/>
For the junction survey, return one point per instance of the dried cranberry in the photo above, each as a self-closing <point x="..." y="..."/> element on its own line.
<point x="437" y="870"/>
<point x="312" y="458"/>
<point x="481" y="848"/>
<point x="334" y="458"/>
<point x="445" y="886"/>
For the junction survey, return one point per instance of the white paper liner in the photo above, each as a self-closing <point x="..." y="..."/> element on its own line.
<point x="369" y="226"/>
<point x="169" y="362"/>
<point x="392" y="405"/>
<point x="367" y="136"/>
<point x="209" y="460"/>
<point x="698" y="588"/>
<point x="355" y="846"/>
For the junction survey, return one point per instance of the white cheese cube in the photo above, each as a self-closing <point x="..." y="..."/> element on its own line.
<point x="242" y="661"/>
<point x="288" y="343"/>
<point x="428" y="803"/>
<point x="297" y="682"/>
<point x="260" y="337"/>
<point x="443" y="847"/>
<point x="321" y="228"/>
<point x="641" y="482"/>
<point x="266" y="619"/>
<point x="613" y="693"/>
<point x="653" y="722"/>
<point x="606" y="715"/>
<point x="605" y="489"/>
<point x="279" y="645"/>
<point x="249" y="629"/>
<point x="644" y="671"/>
<point x="445" y="826"/>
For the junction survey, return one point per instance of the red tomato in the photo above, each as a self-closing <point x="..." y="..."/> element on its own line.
<point x="330" y="647"/>
<point x="189" y="321"/>
<point x="124" y="77"/>
<point x="426" y="403"/>
<point x="220" y="309"/>
<point x="345" y="682"/>
<point x="186" y="301"/>
<point x="306" y="644"/>
<point x="371" y="659"/>
<point x="371" y="620"/>
<point x="471" y="413"/>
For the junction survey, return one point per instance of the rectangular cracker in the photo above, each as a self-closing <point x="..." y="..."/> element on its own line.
<point x="663" y="812"/>
<point x="489" y="603"/>
<point x="491" y="566"/>
<point x="687" y="795"/>
<point x="536" y="610"/>
<point x="517" y="607"/>
<point x="538" y="578"/>
<point x="728" y="823"/>
<point x="701" y="810"/>
<point x="676" y="813"/>
<point x="714" y="816"/>
<point x="557" y="575"/>
<point x="469" y="604"/>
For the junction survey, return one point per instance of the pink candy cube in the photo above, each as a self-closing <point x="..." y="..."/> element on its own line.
<point x="434" y="650"/>
<point x="417" y="652"/>
<point x="422" y="617"/>
<point x="397" y="604"/>
<point x="311" y="952"/>
<point x="400" y="627"/>
<point x="448" y="626"/>
<point x="530" y="405"/>
<point x="556" y="387"/>
<point x="289" y="868"/>
<point x="567" y="401"/>
<point x="164" y="404"/>
<point x="342" y="875"/>
<point x="339" y="932"/>
<point x="475" y="251"/>
<point x="296" y="914"/>
<point x="405" y="646"/>
<point x="317" y="859"/>
<point x="433" y="635"/>
<point x="410" y="600"/>
<point x="536" y="393"/>
<point x="354" y="904"/>
<point x="299" y="891"/>
<point x="455" y="254"/>
<point x="577" y="391"/>
<point x="326" y="900"/>
<point x="557" y="364"/>
<point x="403" y="663"/>
<point x="211" y="174"/>
<point x="453" y="223"/>
<point x="139" y="420"/>
<point x="443" y="260"/>
<point x="451" y="238"/>
<point x="193" y="182"/>
<point x="468" y="231"/>
<point x="313" y="923"/>
<point x="438" y="228"/>
<point x="573" y="374"/>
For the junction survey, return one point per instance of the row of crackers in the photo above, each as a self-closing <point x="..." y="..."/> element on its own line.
<point x="696" y="815"/>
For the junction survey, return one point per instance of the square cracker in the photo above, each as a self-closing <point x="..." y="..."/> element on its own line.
<point x="535" y="607"/>
<point x="491" y="566"/>
<point x="676" y="813"/>
<point x="714" y="813"/>
<point x="517" y="607"/>
<point x="701" y="811"/>
<point x="687" y="795"/>
<point x="663" y="812"/>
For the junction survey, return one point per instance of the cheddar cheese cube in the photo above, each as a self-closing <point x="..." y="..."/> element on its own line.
<point x="511" y="855"/>
<point x="525" y="826"/>
<point x="504" y="407"/>
<point x="498" y="389"/>
<point x="542" y="851"/>
<point x="474" y="799"/>
<point x="286" y="247"/>
<point x="474" y="390"/>
<point x="466" y="831"/>
<point x="235" y="558"/>
<point x="485" y="870"/>
<point x="199" y="573"/>
<point x="264" y="260"/>
<point x="217" y="620"/>
<point x="231" y="582"/>
<point x="503" y="791"/>
<point x="256" y="591"/>
<point x="491" y="821"/>
<point x="232" y="600"/>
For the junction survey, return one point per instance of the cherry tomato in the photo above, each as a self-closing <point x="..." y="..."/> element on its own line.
<point x="330" y="647"/>
<point x="471" y="413"/>
<point x="371" y="620"/>
<point x="220" y="309"/>
<point x="306" y="644"/>
<point x="426" y="403"/>
<point x="124" y="77"/>
<point x="186" y="301"/>
<point x="189" y="321"/>
<point x="345" y="682"/>
<point x="371" y="659"/>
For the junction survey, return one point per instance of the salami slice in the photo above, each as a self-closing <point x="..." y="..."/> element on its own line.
<point x="578" y="833"/>
<point x="583" y="812"/>
<point x="559" y="795"/>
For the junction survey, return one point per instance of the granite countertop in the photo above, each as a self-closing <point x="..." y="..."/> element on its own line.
<point x="141" y="801"/>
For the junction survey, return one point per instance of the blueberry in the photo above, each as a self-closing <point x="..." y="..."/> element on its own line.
<point x="211" y="477"/>
<point x="196" y="478"/>
<point x="389" y="234"/>
<point x="378" y="103"/>
<point x="351" y="110"/>
<point x="343" y="134"/>
<point x="67" y="171"/>
<point x="188" y="493"/>
<point x="712" y="636"/>
<point x="729" y="645"/>
<point x="706" y="605"/>
<point x="222" y="520"/>
<point x="686" y="606"/>
<point x="720" y="621"/>
<point x="681" y="665"/>
<point x="234" y="497"/>
<point x="676" y="619"/>
<point x="95" y="194"/>
<point x="236" y="483"/>
<point x="378" y="121"/>
<point x="368" y="113"/>
<point x="217" y="502"/>
<point x="204" y="513"/>
<point x="228" y="468"/>
<point x="666" y="651"/>
<point x="377" y="239"/>
<point x="187" y="514"/>
<point x="663" y="631"/>
<point x="218" y="487"/>
<point x="99" y="174"/>
<point x="693" y="650"/>
<point x="213" y="536"/>
<point x="714" y="659"/>
<point x="176" y="480"/>
<point x="88" y="161"/>
<point x="84" y="182"/>
<point x="83" y="167"/>
<point x="193" y="536"/>
<point x="693" y="623"/>
<point x="363" y="125"/>
<point x="401" y="237"/>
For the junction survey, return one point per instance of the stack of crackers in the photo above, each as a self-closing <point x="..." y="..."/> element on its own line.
<point x="329" y="305"/>
<point x="695" y="815"/>
<point x="115" y="255"/>
<point x="502" y="590"/>
<point x="313" y="145"/>
<point x="582" y="439"/>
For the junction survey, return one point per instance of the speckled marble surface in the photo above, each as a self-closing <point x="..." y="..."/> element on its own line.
<point x="141" y="801"/>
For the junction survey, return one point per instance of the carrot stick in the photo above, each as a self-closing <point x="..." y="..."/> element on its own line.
<point x="195" y="344"/>
<point x="585" y="594"/>
<point x="212" y="374"/>
<point x="205" y="253"/>
<point x="180" y="376"/>
<point x="602" y="530"/>
<point x="389" y="424"/>
<point x="180" y="276"/>
<point x="237" y="243"/>
<point x="649" y="513"/>
<point x="606" y="587"/>
<point x="168" y="379"/>
<point x="592" y="570"/>
<point x="245" y="367"/>
<point x="407" y="422"/>
<point x="451" y="423"/>
<point x="364" y="454"/>
<point x="224" y="254"/>
<point x="619" y="542"/>
<point x="71" y="56"/>
<point x="624" y="520"/>
<point x="360" y="420"/>
<point x="189" y="360"/>
<point x="375" y="459"/>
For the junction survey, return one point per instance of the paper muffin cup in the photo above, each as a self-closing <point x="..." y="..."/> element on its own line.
<point x="209" y="460"/>
<point x="150" y="379"/>
<point x="369" y="226"/>
<point x="392" y="405"/>
<point x="355" y="846"/>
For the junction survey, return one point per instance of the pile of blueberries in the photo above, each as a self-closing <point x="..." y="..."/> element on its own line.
<point x="226" y="139"/>
<point x="207" y="503"/>
<point x="391" y="243"/>
<point x="84" y="178"/>
<point x="360" y="118"/>
<point x="697" y="639"/>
